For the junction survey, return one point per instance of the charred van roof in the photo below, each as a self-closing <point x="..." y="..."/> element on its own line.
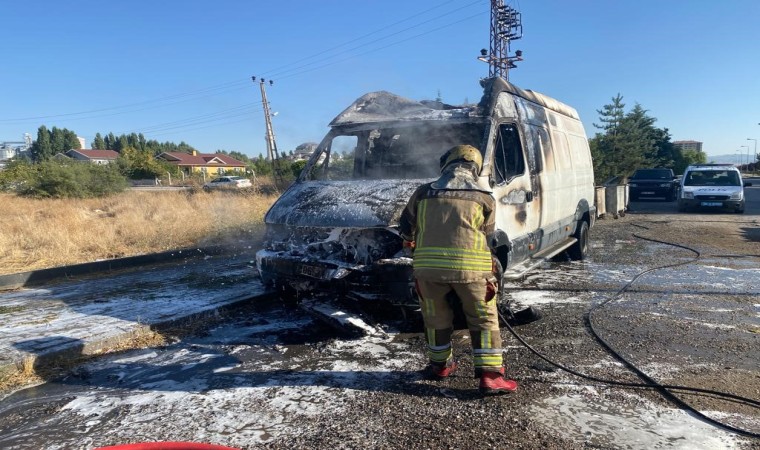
<point x="383" y="106"/>
<point x="492" y="87"/>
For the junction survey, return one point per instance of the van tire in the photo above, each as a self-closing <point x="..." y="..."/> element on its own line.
<point x="579" y="250"/>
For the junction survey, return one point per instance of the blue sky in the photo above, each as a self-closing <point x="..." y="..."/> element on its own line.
<point x="180" y="70"/>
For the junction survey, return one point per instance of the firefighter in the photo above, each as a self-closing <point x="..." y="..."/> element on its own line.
<point x="447" y="223"/>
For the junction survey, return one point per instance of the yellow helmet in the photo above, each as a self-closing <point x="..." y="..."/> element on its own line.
<point x="462" y="153"/>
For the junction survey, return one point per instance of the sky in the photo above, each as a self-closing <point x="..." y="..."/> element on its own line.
<point x="181" y="70"/>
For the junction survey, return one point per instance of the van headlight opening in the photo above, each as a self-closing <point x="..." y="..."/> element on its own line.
<point x="687" y="194"/>
<point x="736" y="195"/>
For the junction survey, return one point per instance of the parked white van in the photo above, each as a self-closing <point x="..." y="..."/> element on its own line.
<point x="336" y="226"/>
<point x="712" y="187"/>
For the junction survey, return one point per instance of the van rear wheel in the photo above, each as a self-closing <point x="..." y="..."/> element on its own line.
<point x="579" y="250"/>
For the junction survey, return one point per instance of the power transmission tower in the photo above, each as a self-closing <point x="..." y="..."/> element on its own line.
<point x="506" y="26"/>
<point x="271" y="144"/>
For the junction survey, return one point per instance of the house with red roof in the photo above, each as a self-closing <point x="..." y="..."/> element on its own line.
<point x="93" y="156"/>
<point x="209" y="163"/>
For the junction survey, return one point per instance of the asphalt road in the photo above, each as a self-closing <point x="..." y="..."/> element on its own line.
<point x="659" y="205"/>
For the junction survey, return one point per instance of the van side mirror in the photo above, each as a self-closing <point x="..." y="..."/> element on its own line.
<point x="529" y="196"/>
<point x="747" y="184"/>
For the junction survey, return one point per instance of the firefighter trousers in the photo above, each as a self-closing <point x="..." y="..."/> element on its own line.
<point x="479" y="306"/>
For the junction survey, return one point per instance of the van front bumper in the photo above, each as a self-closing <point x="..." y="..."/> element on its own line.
<point x="689" y="203"/>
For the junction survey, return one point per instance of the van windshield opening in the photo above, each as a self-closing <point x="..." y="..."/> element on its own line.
<point x="712" y="178"/>
<point x="652" y="174"/>
<point x="408" y="151"/>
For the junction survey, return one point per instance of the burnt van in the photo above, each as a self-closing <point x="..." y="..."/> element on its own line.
<point x="336" y="227"/>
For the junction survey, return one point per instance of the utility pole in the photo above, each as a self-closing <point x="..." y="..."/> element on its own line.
<point x="506" y="26"/>
<point x="271" y="144"/>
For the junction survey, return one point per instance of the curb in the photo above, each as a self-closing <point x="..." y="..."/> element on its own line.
<point x="70" y="357"/>
<point x="42" y="276"/>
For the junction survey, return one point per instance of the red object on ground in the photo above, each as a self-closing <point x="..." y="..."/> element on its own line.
<point x="167" y="446"/>
<point x="494" y="383"/>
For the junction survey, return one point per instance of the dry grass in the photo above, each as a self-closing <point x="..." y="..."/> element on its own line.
<point x="23" y="375"/>
<point x="31" y="371"/>
<point x="36" y="234"/>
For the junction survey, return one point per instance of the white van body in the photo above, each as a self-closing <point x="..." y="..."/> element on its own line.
<point x="541" y="209"/>
<point x="336" y="226"/>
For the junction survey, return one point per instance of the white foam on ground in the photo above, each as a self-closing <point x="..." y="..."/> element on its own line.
<point x="590" y="419"/>
<point x="531" y="298"/>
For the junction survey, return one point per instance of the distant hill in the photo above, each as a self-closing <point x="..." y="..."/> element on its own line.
<point x="727" y="159"/>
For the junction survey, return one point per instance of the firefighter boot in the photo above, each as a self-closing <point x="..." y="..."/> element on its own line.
<point x="439" y="371"/>
<point x="494" y="383"/>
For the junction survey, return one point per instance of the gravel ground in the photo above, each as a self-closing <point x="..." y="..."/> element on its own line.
<point x="676" y="324"/>
<point x="273" y="378"/>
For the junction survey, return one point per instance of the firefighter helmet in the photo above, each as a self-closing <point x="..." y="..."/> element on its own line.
<point x="462" y="153"/>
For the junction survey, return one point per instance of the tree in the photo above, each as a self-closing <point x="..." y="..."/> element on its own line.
<point x="70" y="141"/>
<point x="261" y="166"/>
<point x="42" y="148"/>
<point x="606" y="146"/>
<point x="99" y="143"/>
<point x="110" y="141"/>
<point x="184" y="147"/>
<point x="140" y="164"/>
<point x="297" y="166"/>
<point x="629" y="141"/>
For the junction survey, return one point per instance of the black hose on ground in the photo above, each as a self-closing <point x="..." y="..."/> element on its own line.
<point x="650" y="383"/>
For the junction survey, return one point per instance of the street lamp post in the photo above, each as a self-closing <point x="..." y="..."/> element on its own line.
<point x="755" y="152"/>
<point x="747" y="146"/>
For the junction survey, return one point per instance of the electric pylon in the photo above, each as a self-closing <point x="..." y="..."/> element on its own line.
<point x="506" y="26"/>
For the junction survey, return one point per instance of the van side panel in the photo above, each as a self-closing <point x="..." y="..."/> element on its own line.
<point x="564" y="178"/>
<point x="515" y="215"/>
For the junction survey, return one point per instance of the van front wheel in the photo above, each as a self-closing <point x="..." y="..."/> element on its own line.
<point x="579" y="250"/>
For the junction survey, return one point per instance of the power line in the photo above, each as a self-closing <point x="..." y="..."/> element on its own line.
<point x="386" y="46"/>
<point x="280" y="71"/>
<point x="215" y="90"/>
<point x="247" y="120"/>
<point x="242" y="84"/>
<point x="238" y="111"/>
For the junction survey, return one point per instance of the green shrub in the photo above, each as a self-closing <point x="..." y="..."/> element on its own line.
<point x="17" y="173"/>
<point x="73" y="179"/>
<point x="297" y="166"/>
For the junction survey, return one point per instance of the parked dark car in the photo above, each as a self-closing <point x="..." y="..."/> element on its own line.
<point x="653" y="183"/>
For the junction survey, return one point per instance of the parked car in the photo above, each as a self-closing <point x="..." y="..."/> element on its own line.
<point x="653" y="183"/>
<point x="231" y="182"/>
<point x="336" y="227"/>
<point x="712" y="187"/>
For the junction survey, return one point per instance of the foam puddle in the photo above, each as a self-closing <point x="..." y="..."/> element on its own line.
<point x="598" y="422"/>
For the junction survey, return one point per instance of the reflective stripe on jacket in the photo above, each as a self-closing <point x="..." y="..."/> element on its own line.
<point x="449" y="228"/>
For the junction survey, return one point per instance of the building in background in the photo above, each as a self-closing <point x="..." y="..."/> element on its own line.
<point x="304" y="151"/>
<point x="12" y="149"/>
<point x="93" y="156"/>
<point x="208" y="163"/>
<point x="688" y="145"/>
